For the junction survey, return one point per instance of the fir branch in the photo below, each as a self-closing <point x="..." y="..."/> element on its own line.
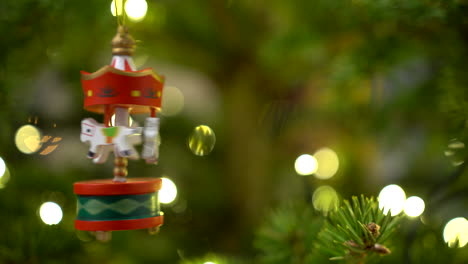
<point x="356" y="231"/>
<point x="288" y="236"/>
<point x="213" y="258"/>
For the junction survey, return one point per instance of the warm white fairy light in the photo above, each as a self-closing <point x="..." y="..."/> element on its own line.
<point x="325" y="199"/>
<point x="28" y="139"/>
<point x="136" y="9"/>
<point x="4" y="174"/>
<point x="119" y="7"/>
<point x="168" y="191"/>
<point x="305" y="164"/>
<point x="50" y="213"/>
<point x="456" y="232"/>
<point x="328" y="163"/>
<point x="172" y="101"/>
<point x="392" y="198"/>
<point x="414" y="206"/>
<point x="2" y="167"/>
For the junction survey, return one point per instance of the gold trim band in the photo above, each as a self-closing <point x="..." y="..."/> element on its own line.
<point x="108" y="68"/>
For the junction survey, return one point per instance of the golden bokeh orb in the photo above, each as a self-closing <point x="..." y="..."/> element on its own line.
<point x="28" y="139"/>
<point x="202" y="140"/>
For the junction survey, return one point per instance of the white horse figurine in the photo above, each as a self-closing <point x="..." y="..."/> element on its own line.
<point x="103" y="139"/>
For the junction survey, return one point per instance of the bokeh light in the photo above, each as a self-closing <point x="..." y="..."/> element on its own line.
<point x="119" y="7"/>
<point x="456" y="152"/>
<point x="28" y="139"/>
<point x="50" y="213"/>
<point x="456" y="232"/>
<point x="172" y="101"/>
<point x="4" y="174"/>
<point x="414" y="206"/>
<point x="328" y="163"/>
<point x="202" y="140"/>
<point x="136" y="9"/>
<point x="209" y="262"/>
<point x="2" y="167"/>
<point x="5" y="178"/>
<point x="168" y="191"/>
<point x="392" y="197"/>
<point x="305" y="164"/>
<point x="325" y="199"/>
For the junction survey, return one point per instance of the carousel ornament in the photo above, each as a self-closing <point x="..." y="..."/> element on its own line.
<point x="118" y="90"/>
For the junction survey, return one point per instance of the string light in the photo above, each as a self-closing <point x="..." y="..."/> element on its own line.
<point x="456" y="232"/>
<point x="306" y="164"/>
<point x="456" y="152"/>
<point x="328" y="163"/>
<point x="136" y="9"/>
<point x="119" y="7"/>
<point x="168" y="191"/>
<point x="4" y="174"/>
<point x="172" y="101"/>
<point x="2" y="167"/>
<point x="414" y="206"/>
<point x="28" y="139"/>
<point x="325" y="199"/>
<point x="50" y="213"/>
<point x="392" y="198"/>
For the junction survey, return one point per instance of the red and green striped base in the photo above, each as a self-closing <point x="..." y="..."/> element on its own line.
<point x="104" y="205"/>
<point x="119" y="224"/>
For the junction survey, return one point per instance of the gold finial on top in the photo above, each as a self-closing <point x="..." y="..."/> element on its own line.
<point x="123" y="43"/>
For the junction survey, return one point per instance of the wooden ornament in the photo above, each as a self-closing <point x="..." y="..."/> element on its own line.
<point x="116" y="91"/>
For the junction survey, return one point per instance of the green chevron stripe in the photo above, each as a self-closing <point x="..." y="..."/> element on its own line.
<point x="108" y="215"/>
<point x="117" y="207"/>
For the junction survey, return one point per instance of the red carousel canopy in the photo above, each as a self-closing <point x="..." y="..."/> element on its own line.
<point x="138" y="90"/>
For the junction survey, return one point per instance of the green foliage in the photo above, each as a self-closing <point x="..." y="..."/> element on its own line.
<point x="288" y="235"/>
<point x="357" y="230"/>
<point x="212" y="259"/>
<point x="339" y="67"/>
<point x="297" y="234"/>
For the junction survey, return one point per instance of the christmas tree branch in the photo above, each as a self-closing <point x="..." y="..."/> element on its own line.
<point x="356" y="231"/>
<point x="288" y="236"/>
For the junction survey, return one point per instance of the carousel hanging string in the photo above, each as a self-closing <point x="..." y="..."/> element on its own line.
<point x="120" y="17"/>
<point x="124" y="16"/>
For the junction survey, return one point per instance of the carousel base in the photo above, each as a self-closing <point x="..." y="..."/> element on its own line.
<point x="117" y="225"/>
<point x="105" y="206"/>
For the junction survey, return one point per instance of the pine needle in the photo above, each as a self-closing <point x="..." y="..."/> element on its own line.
<point x="357" y="229"/>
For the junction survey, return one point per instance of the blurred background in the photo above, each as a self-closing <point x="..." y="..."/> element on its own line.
<point x="291" y="102"/>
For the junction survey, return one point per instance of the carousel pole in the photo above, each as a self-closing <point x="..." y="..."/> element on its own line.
<point x="120" y="163"/>
<point x="123" y="47"/>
